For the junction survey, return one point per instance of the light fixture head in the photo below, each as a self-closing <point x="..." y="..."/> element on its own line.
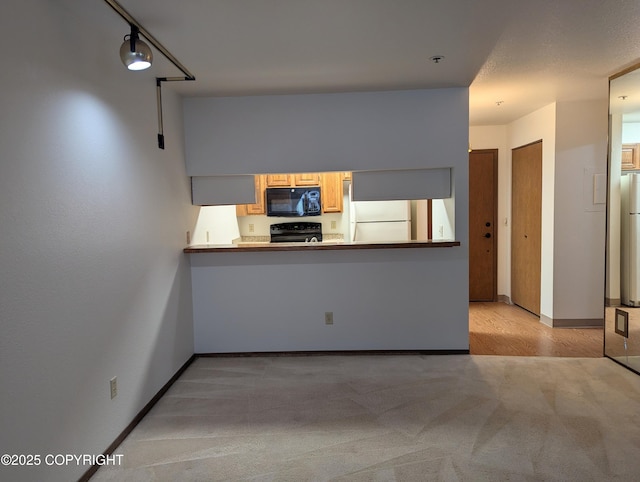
<point x="135" y="54"/>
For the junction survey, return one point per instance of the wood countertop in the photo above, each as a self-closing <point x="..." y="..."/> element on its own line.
<point x="323" y="246"/>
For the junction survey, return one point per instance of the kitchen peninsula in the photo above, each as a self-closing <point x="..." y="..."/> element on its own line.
<point x="322" y="246"/>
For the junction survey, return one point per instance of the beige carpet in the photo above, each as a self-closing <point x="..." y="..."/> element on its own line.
<point x="390" y="418"/>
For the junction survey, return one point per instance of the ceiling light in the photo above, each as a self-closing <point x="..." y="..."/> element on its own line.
<point x="135" y="54"/>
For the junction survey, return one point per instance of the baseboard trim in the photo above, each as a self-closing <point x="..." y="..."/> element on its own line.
<point x="504" y="299"/>
<point x="572" y="323"/>
<point x="136" y="420"/>
<point x="332" y="353"/>
<point x="612" y="302"/>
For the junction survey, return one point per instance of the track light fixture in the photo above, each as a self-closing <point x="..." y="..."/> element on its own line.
<point x="135" y="54"/>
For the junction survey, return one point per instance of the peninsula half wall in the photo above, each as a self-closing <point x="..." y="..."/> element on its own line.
<point x="380" y="299"/>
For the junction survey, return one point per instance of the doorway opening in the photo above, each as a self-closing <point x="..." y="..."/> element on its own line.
<point x="497" y="327"/>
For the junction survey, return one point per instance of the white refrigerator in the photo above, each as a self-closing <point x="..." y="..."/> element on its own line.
<point x="630" y="252"/>
<point x="380" y="221"/>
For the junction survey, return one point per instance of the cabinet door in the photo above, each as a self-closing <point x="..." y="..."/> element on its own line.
<point x="331" y="192"/>
<point x="307" y="179"/>
<point x="630" y="156"/>
<point x="278" y="180"/>
<point x="259" y="206"/>
<point x="241" y="210"/>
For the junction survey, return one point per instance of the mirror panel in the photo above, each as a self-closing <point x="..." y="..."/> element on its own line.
<point x="622" y="292"/>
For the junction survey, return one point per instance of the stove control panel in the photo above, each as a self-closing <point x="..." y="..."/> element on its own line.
<point x="301" y="232"/>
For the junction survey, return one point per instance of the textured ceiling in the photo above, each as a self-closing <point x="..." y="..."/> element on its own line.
<point x="520" y="54"/>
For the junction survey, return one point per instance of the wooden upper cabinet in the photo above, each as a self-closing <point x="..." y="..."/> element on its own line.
<point x="259" y="206"/>
<point x="278" y="180"/>
<point x="307" y="179"/>
<point x="330" y="182"/>
<point x="630" y="156"/>
<point x="331" y="192"/>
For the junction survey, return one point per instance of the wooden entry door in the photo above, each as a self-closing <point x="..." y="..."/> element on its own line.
<point x="483" y="209"/>
<point x="526" y="226"/>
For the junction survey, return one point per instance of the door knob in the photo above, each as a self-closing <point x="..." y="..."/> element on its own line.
<point x="487" y="235"/>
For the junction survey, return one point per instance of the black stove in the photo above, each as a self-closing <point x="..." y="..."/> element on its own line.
<point x="298" y="232"/>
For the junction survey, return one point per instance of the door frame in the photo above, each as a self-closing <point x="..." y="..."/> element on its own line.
<point x="494" y="195"/>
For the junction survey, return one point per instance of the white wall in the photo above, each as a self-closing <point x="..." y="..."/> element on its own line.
<point x="630" y="132"/>
<point x="216" y="225"/>
<point x="93" y="219"/>
<point x="442" y="219"/>
<point x="381" y="299"/>
<point x="324" y="132"/>
<point x="495" y="137"/>
<point x="579" y="224"/>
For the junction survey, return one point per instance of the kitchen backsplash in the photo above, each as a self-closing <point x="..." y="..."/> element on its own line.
<point x="260" y="225"/>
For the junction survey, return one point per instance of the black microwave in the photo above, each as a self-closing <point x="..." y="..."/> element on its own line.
<point x="293" y="201"/>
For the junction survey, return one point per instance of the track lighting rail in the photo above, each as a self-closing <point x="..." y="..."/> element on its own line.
<point x="160" y="48"/>
<point x="145" y="33"/>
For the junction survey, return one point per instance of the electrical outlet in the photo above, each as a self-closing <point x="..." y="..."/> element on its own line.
<point x="207" y="236"/>
<point x="251" y="228"/>
<point x="333" y="225"/>
<point x="328" y="318"/>
<point x="113" y="385"/>
<point x="188" y="237"/>
<point x="441" y="230"/>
